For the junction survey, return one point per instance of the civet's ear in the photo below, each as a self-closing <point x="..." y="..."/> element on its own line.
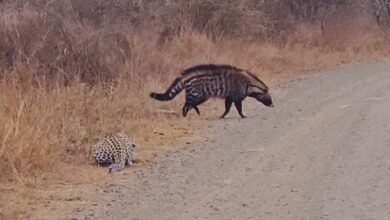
<point x="253" y="89"/>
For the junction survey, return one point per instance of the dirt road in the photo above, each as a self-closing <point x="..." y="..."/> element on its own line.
<point x="322" y="153"/>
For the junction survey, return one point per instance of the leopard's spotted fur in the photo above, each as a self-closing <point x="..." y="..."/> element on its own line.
<point x="117" y="151"/>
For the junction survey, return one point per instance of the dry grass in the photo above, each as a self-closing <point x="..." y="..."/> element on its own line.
<point x="66" y="84"/>
<point x="46" y="125"/>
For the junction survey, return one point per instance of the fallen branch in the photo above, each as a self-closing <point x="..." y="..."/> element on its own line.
<point x="164" y="111"/>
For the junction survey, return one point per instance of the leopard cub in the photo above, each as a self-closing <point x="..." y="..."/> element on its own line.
<point x="116" y="151"/>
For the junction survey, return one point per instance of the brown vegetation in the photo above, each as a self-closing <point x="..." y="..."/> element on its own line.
<point x="72" y="71"/>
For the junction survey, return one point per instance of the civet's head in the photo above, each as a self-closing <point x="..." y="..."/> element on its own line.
<point x="260" y="95"/>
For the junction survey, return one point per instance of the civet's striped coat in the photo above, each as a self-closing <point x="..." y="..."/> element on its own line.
<point x="205" y="81"/>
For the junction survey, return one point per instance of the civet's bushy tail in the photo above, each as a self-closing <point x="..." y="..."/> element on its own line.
<point x="172" y="91"/>
<point x="202" y="82"/>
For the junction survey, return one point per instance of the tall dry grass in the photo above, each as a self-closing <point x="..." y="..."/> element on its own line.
<point x="69" y="79"/>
